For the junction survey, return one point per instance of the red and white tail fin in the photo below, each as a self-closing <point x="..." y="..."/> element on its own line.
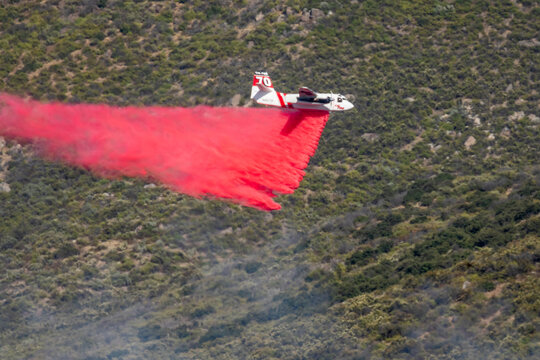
<point x="261" y="82"/>
<point x="262" y="90"/>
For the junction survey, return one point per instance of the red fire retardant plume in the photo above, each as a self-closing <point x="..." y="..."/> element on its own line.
<point x="243" y="154"/>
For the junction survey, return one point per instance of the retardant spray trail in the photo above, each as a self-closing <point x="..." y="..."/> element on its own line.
<point x="244" y="154"/>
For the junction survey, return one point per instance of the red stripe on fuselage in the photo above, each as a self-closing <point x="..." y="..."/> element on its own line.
<point x="280" y="97"/>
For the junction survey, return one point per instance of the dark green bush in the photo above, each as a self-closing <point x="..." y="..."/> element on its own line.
<point x="66" y="250"/>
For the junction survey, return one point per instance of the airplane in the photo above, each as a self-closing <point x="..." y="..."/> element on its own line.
<point x="262" y="91"/>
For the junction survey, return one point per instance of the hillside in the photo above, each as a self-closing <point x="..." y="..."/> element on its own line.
<point x="415" y="233"/>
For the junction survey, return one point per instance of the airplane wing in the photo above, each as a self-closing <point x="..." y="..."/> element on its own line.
<point x="306" y="93"/>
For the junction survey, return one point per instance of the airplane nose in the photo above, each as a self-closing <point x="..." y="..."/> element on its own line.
<point x="349" y="105"/>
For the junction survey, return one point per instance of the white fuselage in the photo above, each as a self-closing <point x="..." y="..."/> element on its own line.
<point x="262" y="92"/>
<point x="323" y="102"/>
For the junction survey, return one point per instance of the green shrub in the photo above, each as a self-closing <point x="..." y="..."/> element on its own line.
<point x="66" y="250"/>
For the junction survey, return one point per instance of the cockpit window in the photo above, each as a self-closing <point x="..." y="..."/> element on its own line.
<point x="339" y="99"/>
